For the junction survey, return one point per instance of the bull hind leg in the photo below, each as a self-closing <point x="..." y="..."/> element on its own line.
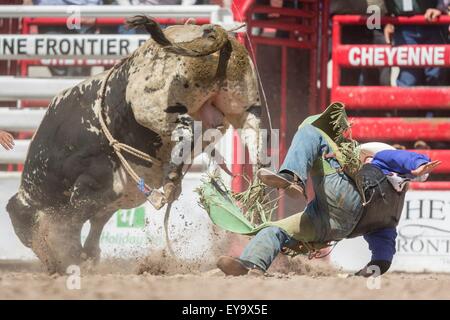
<point x="56" y="242"/>
<point x="91" y="247"/>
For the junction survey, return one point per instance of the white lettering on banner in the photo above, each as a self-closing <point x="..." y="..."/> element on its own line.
<point x="401" y="56"/>
<point x="425" y="227"/>
<point x="353" y="56"/>
<point x="73" y="46"/>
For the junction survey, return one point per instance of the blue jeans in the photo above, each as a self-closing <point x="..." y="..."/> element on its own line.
<point x="409" y="77"/>
<point x="265" y="247"/>
<point x="334" y="211"/>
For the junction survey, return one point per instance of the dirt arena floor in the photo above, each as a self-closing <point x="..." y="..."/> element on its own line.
<point x="295" y="279"/>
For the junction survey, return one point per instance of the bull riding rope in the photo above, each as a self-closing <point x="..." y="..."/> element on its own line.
<point x="119" y="147"/>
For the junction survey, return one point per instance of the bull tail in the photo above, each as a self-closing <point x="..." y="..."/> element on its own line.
<point x="22" y="217"/>
<point x="151" y="26"/>
<point x="214" y="38"/>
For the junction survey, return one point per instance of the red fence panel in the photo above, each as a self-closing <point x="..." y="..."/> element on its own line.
<point x="401" y="129"/>
<point x="376" y="98"/>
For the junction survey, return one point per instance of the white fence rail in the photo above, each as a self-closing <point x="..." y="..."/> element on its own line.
<point x="215" y="13"/>
<point x="15" y="88"/>
<point x="17" y="155"/>
<point x="20" y="119"/>
<point x="113" y="11"/>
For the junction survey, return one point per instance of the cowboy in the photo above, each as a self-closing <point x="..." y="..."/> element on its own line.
<point x="359" y="191"/>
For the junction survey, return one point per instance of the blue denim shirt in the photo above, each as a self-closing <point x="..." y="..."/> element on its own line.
<point x="398" y="161"/>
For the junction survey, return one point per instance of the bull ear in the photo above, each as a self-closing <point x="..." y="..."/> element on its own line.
<point x="151" y="26"/>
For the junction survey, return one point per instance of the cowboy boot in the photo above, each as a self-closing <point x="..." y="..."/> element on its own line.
<point x="285" y="180"/>
<point x="237" y="267"/>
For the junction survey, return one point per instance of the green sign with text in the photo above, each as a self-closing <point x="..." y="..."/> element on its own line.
<point x="131" y="218"/>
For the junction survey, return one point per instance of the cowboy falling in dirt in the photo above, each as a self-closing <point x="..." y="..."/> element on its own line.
<point x="359" y="191"/>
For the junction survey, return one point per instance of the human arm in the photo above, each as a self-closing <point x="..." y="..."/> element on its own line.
<point x="388" y="33"/>
<point x="6" y="140"/>
<point x="402" y="162"/>
<point x="433" y="13"/>
<point x="425" y="168"/>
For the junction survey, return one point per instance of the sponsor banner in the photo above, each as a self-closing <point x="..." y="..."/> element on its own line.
<point x="423" y="242"/>
<point x="74" y="46"/>
<point x="379" y="56"/>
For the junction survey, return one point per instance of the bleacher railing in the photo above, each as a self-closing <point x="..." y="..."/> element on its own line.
<point x="387" y="98"/>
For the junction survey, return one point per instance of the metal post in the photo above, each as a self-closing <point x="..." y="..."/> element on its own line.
<point x="323" y="101"/>
<point x="313" y="74"/>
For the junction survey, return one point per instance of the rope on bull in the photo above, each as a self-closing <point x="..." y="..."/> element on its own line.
<point x="119" y="147"/>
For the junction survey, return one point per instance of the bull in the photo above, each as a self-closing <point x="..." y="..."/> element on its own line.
<point x="73" y="172"/>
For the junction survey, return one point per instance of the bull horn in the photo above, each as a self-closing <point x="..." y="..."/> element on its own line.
<point x="213" y="39"/>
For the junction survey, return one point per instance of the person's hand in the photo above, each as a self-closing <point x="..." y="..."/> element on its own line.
<point x="432" y="14"/>
<point x="6" y="140"/>
<point x="388" y="33"/>
<point x="426" y="168"/>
